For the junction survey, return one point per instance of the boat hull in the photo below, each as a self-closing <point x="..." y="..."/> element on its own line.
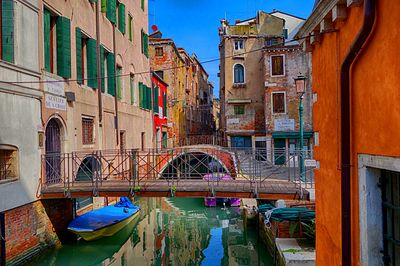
<point x="212" y="201"/>
<point x="106" y="231"/>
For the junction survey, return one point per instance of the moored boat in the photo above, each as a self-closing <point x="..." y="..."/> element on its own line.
<point x="104" y="221"/>
<point x="213" y="201"/>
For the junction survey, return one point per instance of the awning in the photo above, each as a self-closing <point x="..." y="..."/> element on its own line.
<point x="291" y="134"/>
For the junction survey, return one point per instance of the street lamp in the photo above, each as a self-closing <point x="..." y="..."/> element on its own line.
<point x="300" y="82"/>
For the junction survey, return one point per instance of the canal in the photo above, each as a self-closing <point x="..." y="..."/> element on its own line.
<point x="170" y="231"/>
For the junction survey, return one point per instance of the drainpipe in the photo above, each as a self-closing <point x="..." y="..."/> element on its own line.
<point x="99" y="80"/>
<point x="99" y="76"/>
<point x="116" y="89"/>
<point x="345" y="125"/>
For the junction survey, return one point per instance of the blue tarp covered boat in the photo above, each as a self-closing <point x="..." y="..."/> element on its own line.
<point x="104" y="221"/>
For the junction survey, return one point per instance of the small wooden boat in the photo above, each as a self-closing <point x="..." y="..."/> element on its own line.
<point x="212" y="201"/>
<point x="104" y="221"/>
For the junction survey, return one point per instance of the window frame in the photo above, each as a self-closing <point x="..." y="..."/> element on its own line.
<point x="238" y="41"/>
<point x="157" y="49"/>
<point x="283" y="65"/>
<point x="244" y="73"/>
<point x="90" y="139"/>
<point x="236" y="109"/>
<point x="15" y="162"/>
<point x="130" y="27"/>
<point x="284" y="102"/>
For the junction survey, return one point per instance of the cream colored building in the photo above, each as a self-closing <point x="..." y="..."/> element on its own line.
<point x="241" y="76"/>
<point x="75" y="116"/>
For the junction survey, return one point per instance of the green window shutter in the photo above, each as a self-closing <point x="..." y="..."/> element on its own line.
<point x="146" y="45"/>
<point x="121" y="18"/>
<point x="142" y="41"/>
<point x="102" y="68"/>
<point x="165" y="104"/>
<point x="93" y="1"/>
<point x="111" y="11"/>
<point x="91" y="63"/>
<point x="131" y="84"/>
<point x="142" y="5"/>
<point x="46" y="33"/>
<point x="7" y="30"/>
<point x="63" y="25"/>
<point x="141" y="94"/>
<point x="130" y="27"/>
<point x="78" y="48"/>
<point x="155" y="99"/>
<point x="149" y="98"/>
<point x="119" y="83"/>
<point x="103" y="6"/>
<point x="111" y="73"/>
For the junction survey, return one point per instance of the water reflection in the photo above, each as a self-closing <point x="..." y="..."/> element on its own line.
<point x="174" y="231"/>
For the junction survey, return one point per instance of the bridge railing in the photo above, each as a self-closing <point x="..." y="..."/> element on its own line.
<point x="206" y="163"/>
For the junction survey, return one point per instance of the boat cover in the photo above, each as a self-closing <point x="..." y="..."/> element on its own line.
<point x="101" y="218"/>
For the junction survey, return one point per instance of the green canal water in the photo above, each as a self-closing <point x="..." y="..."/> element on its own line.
<point x="170" y="231"/>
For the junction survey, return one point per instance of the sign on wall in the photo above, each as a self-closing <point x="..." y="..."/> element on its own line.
<point x="284" y="125"/>
<point x="56" y="102"/>
<point x="53" y="86"/>
<point x="232" y="121"/>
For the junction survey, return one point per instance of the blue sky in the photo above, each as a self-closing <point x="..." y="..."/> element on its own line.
<point x="193" y="24"/>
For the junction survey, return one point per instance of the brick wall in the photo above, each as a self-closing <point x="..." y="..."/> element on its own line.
<point x="35" y="226"/>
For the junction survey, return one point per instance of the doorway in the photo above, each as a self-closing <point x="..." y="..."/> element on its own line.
<point x="53" y="152"/>
<point x="279" y="151"/>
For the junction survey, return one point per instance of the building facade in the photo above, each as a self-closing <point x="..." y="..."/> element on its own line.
<point x="189" y="93"/>
<point x="281" y="65"/>
<point x="356" y="123"/>
<point x="160" y="92"/>
<point x="167" y="63"/>
<point x="241" y="77"/>
<point x="259" y="104"/>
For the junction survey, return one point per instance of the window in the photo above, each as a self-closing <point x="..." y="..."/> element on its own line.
<point x="159" y="51"/>
<point x="57" y="44"/>
<point x="121" y="17"/>
<point x="238" y="45"/>
<point x="122" y="139"/>
<point x="278" y="102"/>
<point x="119" y="83"/>
<point x="277" y="65"/>
<point x="272" y="42"/>
<point x="156" y="92"/>
<point x="164" y="140"/>
<point x="160" y="73"/>
<point x="87" y="130"/>
<point x="145" y="44"/>
<point x="391" y="217"/>
<point x="103" y="69"/>
<point x="8" y="162"/>
<point x="7" y="30"/>
<point x="130" y="32"/>
<point x="238" y="109"/>
<point x="238" y="73"/>
<point x="86" y="59"/>
<point x="144" y="96"/>
<point x="110" y="8"/>
<point x="132" y="88"/>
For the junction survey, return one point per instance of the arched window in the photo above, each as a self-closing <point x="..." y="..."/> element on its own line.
<point x="238" y="73"/>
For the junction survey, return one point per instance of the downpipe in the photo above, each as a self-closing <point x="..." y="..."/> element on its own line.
<point x="345" y="125"/>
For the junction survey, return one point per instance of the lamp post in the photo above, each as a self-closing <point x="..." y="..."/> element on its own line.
<point x="300" y="82"/>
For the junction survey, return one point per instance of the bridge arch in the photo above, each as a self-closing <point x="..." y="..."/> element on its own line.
<point x="195" y="164"/>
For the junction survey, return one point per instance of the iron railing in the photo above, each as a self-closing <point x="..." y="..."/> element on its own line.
<point x="206" y="163"/>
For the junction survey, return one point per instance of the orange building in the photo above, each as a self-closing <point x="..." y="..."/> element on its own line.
<point x="356" y="117"/>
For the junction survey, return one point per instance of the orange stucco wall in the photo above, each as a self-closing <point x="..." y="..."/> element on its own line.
<point x="375" y="116"/>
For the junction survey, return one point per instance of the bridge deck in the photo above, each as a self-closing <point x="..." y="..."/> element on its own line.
<point x="270" y="190"/>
